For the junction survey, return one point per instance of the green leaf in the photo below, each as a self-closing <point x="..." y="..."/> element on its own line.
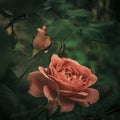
<point x="107" y="32"/>
<point x="9" y="103"/>
<point x="92" y="34"/>
<point x="61" y="29"/>
<point x="78" y="13"/>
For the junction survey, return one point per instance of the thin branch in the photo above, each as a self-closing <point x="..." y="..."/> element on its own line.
<point x="17" y="19"/>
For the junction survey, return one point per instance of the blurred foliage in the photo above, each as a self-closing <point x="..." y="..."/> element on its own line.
<point x="85" y="30"/>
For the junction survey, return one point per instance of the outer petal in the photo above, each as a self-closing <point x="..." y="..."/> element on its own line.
<point x="51" y="96"/>
<point x="49" y="93"/>
<point x="36" y="83"/>
<point x="66" y="105"/>
<point x="71" y="93"/>
<point x="55" y="82"/>
<point x="50" y="81"/>
<point x="92" y="96"/>
<point x="70" y="61"/>
<point x="55" y="58"/>
<point x="93" y="79"/>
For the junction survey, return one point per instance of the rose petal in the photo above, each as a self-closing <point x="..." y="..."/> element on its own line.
<point x="55" y="83"/>
<point x="55" y="58"/>
<point x="49" y="93"/>
<point x="66" y="105"/>
<point x="44" y="28"/>
<point x="71" y="93"/>
<point x="92" y="97"/>
<point x="49" y="81"/>
<point x="43" y="71"/>
<point x="36" y="81"/>
<point x="54" y="61"/>
<point x="93" y="79"/>
<point x="70" y="61"/>
<point x="51" y="96"/>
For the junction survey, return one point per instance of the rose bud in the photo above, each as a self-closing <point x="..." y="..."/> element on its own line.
<point x="41" y="41"/>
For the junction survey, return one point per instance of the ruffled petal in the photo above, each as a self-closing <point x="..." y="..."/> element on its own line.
<point x="71" y="93"/>
<point x="55" y="58"/>
<point x="36" y="81"/>
<point x="70" y="61"/>
<point x="91" y="98"/>
<point x="49" y="93"/>
<point x="51" y="96"/>
<point x="66" y="105"/>
<point x="49" y="81"/>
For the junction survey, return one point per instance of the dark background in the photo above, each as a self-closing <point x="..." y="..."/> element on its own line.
<point x="85" y="30"/>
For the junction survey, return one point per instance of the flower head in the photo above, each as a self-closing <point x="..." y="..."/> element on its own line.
<point x="63" y="83"/>
<point x="41" y="41"/>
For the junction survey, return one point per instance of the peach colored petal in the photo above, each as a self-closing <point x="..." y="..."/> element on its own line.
<point x="36" y="82"/>
<point x="93" y="78"/>
<point x="35" y="91"/>
<point x="69" y="86"/>
<point x="70" y="61"/>
<point x="44" y="28"/>
<point x="66" y="105"/>
<point x="60" y="83"/>
<point x="50" y="81"/>
<point x="55" y="58"/>
<point x="56" y="82"/>
<point x="92" y="97"/>
<point x="49" y="93"/>
<point x="51" y="96"/>
<point x="71" y="93"/>
<point x="43" y="71"/>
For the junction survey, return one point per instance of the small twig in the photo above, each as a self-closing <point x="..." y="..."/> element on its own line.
<point x="17" y="19"/>
<point x="28" y="67"/>
<point x="113" y="110"/>
<point x="25" y="71"/>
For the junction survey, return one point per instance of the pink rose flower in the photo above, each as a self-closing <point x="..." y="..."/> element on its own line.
<point x="63" y="83"/>
<point x="41" y="41"/>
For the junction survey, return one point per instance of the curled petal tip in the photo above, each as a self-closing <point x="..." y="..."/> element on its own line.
<point x="44" y="28"/>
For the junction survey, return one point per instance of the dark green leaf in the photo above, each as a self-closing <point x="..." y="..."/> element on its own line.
<point x="78" y="13"/>
<point x="9" y="103"/>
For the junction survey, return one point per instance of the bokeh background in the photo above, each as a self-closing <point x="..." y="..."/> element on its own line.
<point x="87" y="31"/>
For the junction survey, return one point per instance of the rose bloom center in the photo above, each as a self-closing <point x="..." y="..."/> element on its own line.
<point x="70" y="74"/>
